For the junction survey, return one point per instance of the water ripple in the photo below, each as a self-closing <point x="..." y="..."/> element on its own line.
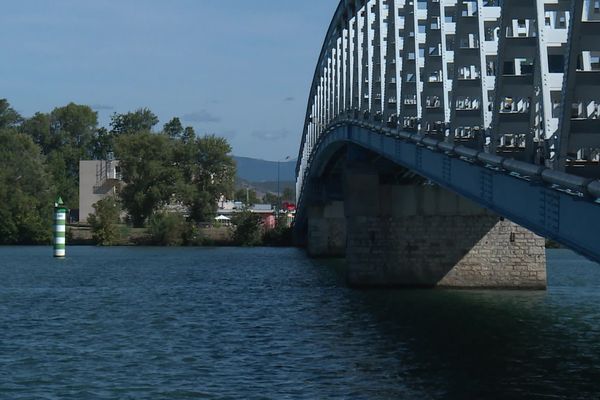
<point x="271" y="324"/>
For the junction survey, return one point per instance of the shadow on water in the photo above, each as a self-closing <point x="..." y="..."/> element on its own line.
<point x="494" y="344"/>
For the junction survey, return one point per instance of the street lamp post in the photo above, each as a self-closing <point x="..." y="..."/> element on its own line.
<point x="278" y="183"/>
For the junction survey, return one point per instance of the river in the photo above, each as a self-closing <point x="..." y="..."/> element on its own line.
<point x="234" y="323"/>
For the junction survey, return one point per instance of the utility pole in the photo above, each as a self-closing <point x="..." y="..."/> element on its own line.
<point x="278" y="182"/>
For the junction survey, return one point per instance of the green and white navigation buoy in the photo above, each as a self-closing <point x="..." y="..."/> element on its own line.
<point x="60" y="228"/>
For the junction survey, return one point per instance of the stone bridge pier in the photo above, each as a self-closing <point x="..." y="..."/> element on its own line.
<point x="326" y="236"/>
<point x="421" y="235"/>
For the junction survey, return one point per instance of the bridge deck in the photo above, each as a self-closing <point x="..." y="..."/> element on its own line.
<point x="553" y="205"/>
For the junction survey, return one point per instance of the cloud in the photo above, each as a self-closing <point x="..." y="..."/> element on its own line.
<point x="101" y="107"/>
<point x="289" y="98"/>
<point x="271" y="134"/>
<point x="201" y="116"/>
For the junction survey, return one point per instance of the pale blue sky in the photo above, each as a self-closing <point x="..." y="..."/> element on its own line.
<point x="237" y="68"/>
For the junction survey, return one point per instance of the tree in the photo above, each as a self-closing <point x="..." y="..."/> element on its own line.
<point x="63" y="183"/>
<point x="104" y="144"/>
<point x="149" y="173"/>
<point x="174" y="129"/>
<point x="288" y="195"/>
<point x="167" y="229"/>
<point x="76" y="125"/>
<point x="189" y="134"/>
<point x="9" y="118"/>
<point x="104" y="221"/>
<point x="141" y="120"/>
<point x="38" y="128"/>
<point x="270" y="198"/>
<point x="210" y="171"/>
<point x="66" y="136"/>
<point x="25" y="195"/>
<point x="281" y="235"/>
<point x="246" y="196"/>
<point x="248" y="229"/>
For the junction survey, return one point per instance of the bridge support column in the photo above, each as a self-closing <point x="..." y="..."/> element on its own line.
<point x="326" y="230"/>
<point x="415" y="235"/>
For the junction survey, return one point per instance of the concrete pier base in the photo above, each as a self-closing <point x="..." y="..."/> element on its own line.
<point x="422" y="235"/>
<point x="326" y="236"/>
<point x="445" y="251"/>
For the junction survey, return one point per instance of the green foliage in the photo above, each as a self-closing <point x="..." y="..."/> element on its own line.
<point x="149" y="174"/>
<point x="281" y="235"/>
<point x="38" y="128"/>
<point x="103" y="145"/>
<point x="26" y="201"/>
<point x="76" y="126"/>
<point x="208" y="171"/>
<point x="278" y="237"/>
<point x="174" y="129"/>
<point x="173" y="166"/>
<point x="270" y="198"/>
<point x="247" y="229"/>
<point x="288" y="195"/>
<point x="246" y="196"/>
<point x="168" y="229"/>
<point x="66" y="136"/>
<point x="9" y="118"/>
<point x="142" y="120"/>
<point x="188" y="134"/>
<point x="104" y="221"/>
<point x="39" y="160"/>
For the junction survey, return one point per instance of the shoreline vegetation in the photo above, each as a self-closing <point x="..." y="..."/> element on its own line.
<point x="171" y="181"/>
<point x="212" y="236"/>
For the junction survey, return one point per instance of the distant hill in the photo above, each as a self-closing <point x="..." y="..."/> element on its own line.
<point x="255" y="170"/>
<point x="265" y="187"/>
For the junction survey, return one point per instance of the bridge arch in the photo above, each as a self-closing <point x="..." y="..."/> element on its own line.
<point x="468" y="94"/>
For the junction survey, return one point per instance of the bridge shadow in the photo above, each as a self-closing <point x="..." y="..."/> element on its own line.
<point x="482" y="344"/>
<point x="425" y="251"/>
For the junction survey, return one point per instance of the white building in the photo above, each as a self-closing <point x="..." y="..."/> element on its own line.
<point x="97" y="180"/>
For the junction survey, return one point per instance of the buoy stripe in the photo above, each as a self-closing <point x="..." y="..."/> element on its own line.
<point x="60" y="230"/>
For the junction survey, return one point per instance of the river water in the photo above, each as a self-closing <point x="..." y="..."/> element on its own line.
<point x="155" y="323"/>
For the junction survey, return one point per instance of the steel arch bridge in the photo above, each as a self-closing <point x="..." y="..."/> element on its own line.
<point x="496" y="100"/>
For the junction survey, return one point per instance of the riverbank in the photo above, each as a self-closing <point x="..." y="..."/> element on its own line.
<point x="128" y="236"/>
<point x="219" y="236"/>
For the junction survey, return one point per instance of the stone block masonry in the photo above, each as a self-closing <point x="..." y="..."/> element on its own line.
<point x="422" y="235"/>
<point x="444" y="251"/>
<point x="326" y="230"/>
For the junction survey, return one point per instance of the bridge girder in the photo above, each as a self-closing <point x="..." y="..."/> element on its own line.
<point x="487" y="74"/>
<point x="550" y="203"/>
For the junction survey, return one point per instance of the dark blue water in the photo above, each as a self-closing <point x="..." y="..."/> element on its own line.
<point x="133" y="323"/>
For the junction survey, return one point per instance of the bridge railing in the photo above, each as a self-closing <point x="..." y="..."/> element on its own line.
<point x="573" y="184"/>
<point x="512" y="82"/>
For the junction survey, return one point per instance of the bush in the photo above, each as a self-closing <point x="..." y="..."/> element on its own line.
<point x="281" y="236"/>
<point x="247" y="229"/>
<point x="104" y="221"/>
<point x="192" y="236"/>
<point x="167" y="229"/>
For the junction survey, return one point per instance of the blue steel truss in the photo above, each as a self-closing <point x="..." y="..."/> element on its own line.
<point x="496" y="100"/>
<point x="550" y="203"/>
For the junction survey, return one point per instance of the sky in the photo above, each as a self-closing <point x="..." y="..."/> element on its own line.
<point x="236" y="68"/>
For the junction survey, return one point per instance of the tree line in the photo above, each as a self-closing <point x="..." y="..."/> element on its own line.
<point x="39" y="160"/>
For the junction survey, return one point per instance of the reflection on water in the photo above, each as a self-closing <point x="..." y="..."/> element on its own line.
<point x="269" y="323"/>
